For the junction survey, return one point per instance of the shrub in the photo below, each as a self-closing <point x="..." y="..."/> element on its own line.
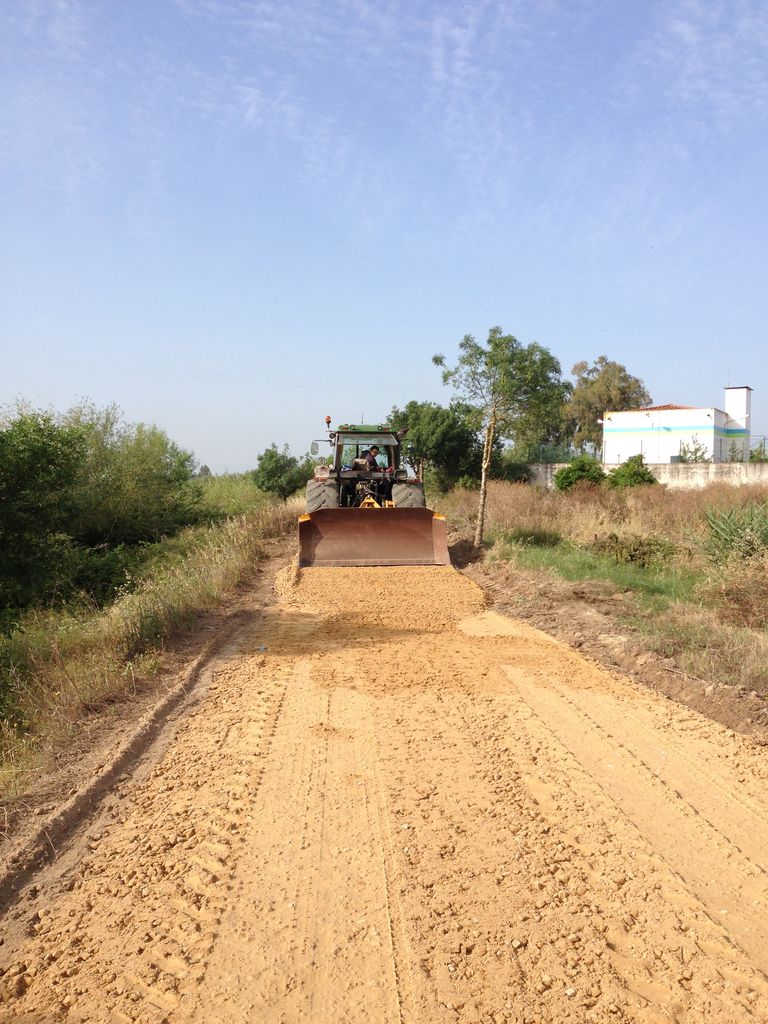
<point x="469" y="483"/>
<point x="583" y="467"/>
<point x="536" y="538"/>
<point x="633" y="549"/>
<point x="632" y="473"/>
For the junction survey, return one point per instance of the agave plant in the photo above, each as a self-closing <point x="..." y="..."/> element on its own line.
<point x="737" y="532"/>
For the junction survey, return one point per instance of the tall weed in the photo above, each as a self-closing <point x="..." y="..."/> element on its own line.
<point x="739" y="533"/>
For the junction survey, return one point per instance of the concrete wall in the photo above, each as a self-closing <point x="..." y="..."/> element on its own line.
<point x="684" y="476"/>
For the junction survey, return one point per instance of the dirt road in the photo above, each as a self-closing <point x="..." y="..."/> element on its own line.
<point x="394" y="805"/>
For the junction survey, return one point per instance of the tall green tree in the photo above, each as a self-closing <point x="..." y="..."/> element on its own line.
<point x="508" y="385"/>
<point x="438" y="438"/>
<point x="605" y="385"/>
<point x="39" y="461"/>
<point x="135" y="484"/>
<point x="278" y="472"/>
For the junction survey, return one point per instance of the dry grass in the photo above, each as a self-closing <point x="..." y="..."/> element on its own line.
<point x="739" y="590"/>
<point x="711" y="619"/>
<point x="60" y="665"/>
<point x="587" y="514"/>
<point x="700" y="643"/>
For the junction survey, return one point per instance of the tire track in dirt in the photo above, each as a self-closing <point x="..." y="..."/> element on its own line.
<point x="310" y="934"/>
<point x="712" y="860"/>
<point x="127" y="917"/>
<point x="381" y="813"/>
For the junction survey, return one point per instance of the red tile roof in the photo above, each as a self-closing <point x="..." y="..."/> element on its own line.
<point x="664" y="408"/>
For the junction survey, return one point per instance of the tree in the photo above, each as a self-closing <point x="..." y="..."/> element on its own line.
<point x="39" y="460"/>
<point x="278" y="472"/>
<point x="135" y="484"/>
<point x="438" y="438"/>
<point x="507" y="385"/>
<point x="604" y="385"/>
<point x="696" y="451"/>
<point x="544" y="425"/>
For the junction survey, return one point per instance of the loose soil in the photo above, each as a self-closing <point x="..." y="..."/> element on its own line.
<point x="591" y="616"/>
<point x="392" y="803"/>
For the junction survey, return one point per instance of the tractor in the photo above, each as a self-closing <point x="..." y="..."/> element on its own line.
<point x="362" y="506"/>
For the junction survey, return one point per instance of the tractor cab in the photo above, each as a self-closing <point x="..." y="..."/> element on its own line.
<point x="352" y="445"/>
<point x="364" y="465"/>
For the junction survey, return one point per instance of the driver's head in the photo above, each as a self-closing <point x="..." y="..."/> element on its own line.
<point x="374" y="449"/>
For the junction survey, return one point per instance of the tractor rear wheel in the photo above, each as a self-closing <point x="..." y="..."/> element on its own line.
<point x="409" y="495"/>
<point x="322" y="494"/>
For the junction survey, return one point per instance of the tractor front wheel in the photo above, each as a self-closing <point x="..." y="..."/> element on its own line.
<point x="409" y="495"/>
<point x="322" y="494"/>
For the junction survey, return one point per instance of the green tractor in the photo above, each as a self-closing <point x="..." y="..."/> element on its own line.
<point x="364" y="509"/>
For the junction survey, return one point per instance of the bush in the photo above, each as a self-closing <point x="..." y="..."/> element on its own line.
<point x="61" y="662"/>
<point x="633" y="549"/>
<point x="632" y="473"/>
<point x="469" y="483"/>
<point x="583" y="467"/>
<point x="75" y="492"/>
<point x="535" y="538"/>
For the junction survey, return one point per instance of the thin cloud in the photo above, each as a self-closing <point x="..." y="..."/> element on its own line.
<point x="713" y="56"/>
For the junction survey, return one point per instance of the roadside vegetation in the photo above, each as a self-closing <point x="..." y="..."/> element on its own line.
<point x="692" y="565"/>
<point x="110" y="542"/>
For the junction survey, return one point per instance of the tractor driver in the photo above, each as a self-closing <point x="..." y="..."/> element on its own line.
<point x="369" y="458"/>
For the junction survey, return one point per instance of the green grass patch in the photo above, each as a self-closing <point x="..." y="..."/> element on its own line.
<point x="658" y="585"/>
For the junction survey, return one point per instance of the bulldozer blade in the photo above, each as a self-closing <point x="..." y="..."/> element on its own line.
<point x="373" y="536"/>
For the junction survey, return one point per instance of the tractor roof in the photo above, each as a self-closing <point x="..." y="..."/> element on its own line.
<point x="365" y="428"/>
<point x="373" y="437"/>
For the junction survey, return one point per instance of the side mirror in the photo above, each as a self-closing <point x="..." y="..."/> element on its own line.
<point x="314" y="447"/>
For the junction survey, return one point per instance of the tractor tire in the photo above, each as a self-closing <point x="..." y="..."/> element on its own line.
<point x="322" y="494"/>
<point x="409" y="496"/>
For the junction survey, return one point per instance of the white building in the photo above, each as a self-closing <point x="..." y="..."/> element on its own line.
<point x="658" y="431"/>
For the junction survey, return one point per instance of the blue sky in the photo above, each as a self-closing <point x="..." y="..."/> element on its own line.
<point x="233" y="217"/>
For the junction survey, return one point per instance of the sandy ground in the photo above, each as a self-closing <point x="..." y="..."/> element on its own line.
<point x="394" y="804"/>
